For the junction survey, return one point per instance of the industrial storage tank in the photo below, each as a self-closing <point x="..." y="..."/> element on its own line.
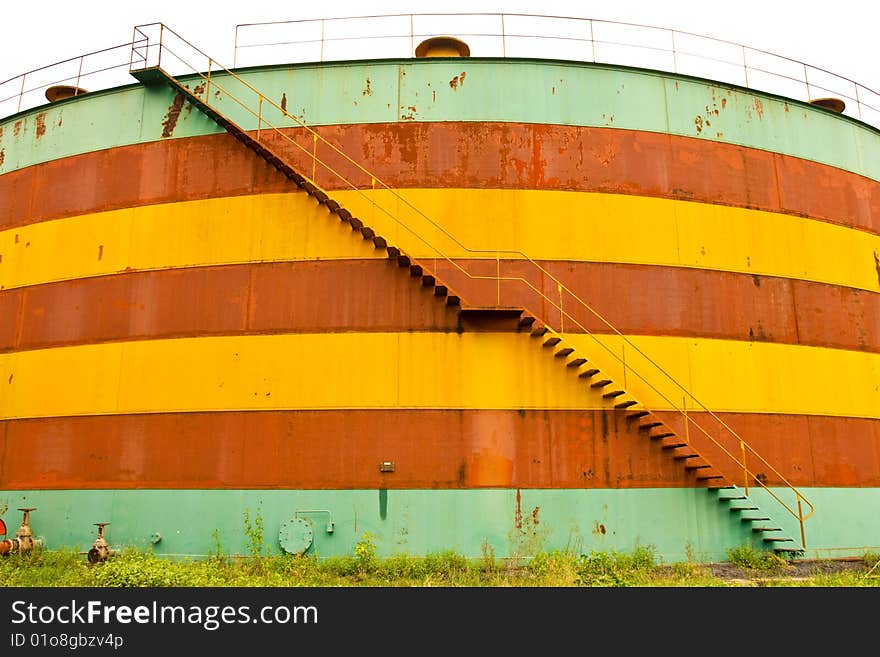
<point x="490" y="304"/>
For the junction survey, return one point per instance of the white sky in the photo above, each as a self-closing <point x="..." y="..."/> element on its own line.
<point x="840" y="36"/>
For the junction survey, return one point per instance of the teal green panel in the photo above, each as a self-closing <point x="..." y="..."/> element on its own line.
<point x="675" y="522"/>
<point x="436" y="90"/>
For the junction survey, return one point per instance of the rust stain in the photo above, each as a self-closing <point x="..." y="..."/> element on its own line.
<point x="16" y="129"/>
<point x="535" y="515"/>
<point x="368" y="91"/>
<point x="598" y="528"/>
<point x="199" y="89"/>
<point x="60" y="120"/>
<point x="759" y="108"/>
<point x="283" y="102"/>
<point x="723" y="103"/>
<point x="100" y="251"/>
<point x="2" y="156"/>
<point x="457" y="81"/>
<point x="10" y="378"/>
<point x="877" y="265"/>
<point x="41" y="124"/>
<point x="170" y="120"/>
<point x="518" y="515"/>
<point x="698" y="122"/>
<point x="553" y="90"/>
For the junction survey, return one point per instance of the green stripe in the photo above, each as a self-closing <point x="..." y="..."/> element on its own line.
<point x="493" y="90"/>
<point x="676" y="522"/>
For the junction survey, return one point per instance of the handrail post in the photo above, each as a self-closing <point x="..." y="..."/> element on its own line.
<point x="687" y="422"/>
<point x="742" y="448"/>
<point x="592" y="40"/>
<point x="801" y="520"/>
<point x="259" y="116"/>
<point x="78" y="75"/>
<point x="503" y="39"/>
<point x="497" y="278"/>
<point x="161" y="30"/>
<point x="21" y="93"/>
<point x="208" y="83"/>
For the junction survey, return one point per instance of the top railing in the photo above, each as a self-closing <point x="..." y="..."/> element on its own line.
<point x="551" y="37"/>
<point x="488" y="35"/>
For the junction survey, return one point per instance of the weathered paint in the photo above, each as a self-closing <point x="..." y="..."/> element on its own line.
<point x="472" y="155"/>
<point x="426" y="370"/>
<point x="586" y="95"/>
<point x="431" y="449"/>
<point x="372" y="295"/>
<point x="679" y="524"/>
<point x="547" y="225"/>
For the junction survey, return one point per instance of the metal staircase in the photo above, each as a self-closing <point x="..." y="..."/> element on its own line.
<point x="218" y="82"/>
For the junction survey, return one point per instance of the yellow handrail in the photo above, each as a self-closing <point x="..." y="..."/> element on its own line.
<point x="264" y="125"/>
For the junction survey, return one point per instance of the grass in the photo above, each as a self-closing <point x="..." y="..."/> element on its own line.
<point x="638" y="568"/>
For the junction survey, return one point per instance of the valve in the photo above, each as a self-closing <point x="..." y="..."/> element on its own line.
<point x="100" y="548"/>
<point x="24" y="540"/>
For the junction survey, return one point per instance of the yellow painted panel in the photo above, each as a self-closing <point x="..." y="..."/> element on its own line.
<point x="737" y="376"/>
<point x="270" y="227"/>
<point x="582" y="226"/>
<point x="423" y="370"/>
<point x="545" y="225"/>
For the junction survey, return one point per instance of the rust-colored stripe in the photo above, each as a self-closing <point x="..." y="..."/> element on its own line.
<point x="376" y="295"/>
<point x="430" y="449"/>
<point x="330" y="295"/>
<point x="466" y="154"/>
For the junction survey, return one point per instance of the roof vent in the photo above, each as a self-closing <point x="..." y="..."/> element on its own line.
<point x="62" y="91"/>
<point x="833" y="104"/>
<point x="443" y="46"/>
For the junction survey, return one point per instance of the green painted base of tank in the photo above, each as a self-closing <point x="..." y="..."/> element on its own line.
<point x="679" y="524"/>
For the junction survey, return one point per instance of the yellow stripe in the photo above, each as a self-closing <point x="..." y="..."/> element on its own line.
<point x="270" y="227"/>
<point x="546" y="225"/>
<point x="581" y="226"/>
<point x="417" y="370"/>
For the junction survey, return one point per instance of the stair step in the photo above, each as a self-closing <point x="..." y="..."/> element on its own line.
<point x="743" y="508"/>
<point x="588" y="373"/>
<point x="355" y="223"/>
<point x="477" y="313"/>
<point x="367" y="232"/>
<point x="637" y="415"/>
<point x="785" y="548"/>
<point x="662" y="434"/>
<point x="673" y="444"/>
<point x="403" y="260"/>
<point x="428" y="280"/>
<point x="440" y="290"/>
<point x="453" y="300"/>
<point x="778" y="539"/>
<point x="766" y="529"/>
<point x="650" y="425"/>
<point x="696" y="466"/>
<point x="625" y="404"/>
<point x="679" y="456"/>
<point x="320" y="197"/>
<point x="393" y="252"/>
<point x="415" y="270"/>
<point x="343" y="214"/>
<point x="705" y="476"/>
<point x="552" y="340"/>
<point x="562" y="353"/>
<point x="333" y="206"/>
<point x="600" y="384"/>
<point x="613" y="394"/>
<point x="729" y="487"/>
<point x="753" y="518"/>
<point x="380" y="242"/>
<point x="576" y="362"/>
<point x="538" y="331"/>
<point x="528" y="320"/>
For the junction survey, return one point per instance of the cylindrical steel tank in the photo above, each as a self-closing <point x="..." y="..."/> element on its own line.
<point x="188" y="339"/>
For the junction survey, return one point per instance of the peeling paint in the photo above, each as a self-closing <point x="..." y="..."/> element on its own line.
<point x="698" y="122"/>
<point x="16" y="129"/>
<point x="2" y="156"/>
<point x="457" y="81"/>
<point x="283" y="102"/>
<point x="170" y="120"/>
<point x="759" y="108"/>
<point x="368" y="91"/>
<point x="877" y="265"/>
